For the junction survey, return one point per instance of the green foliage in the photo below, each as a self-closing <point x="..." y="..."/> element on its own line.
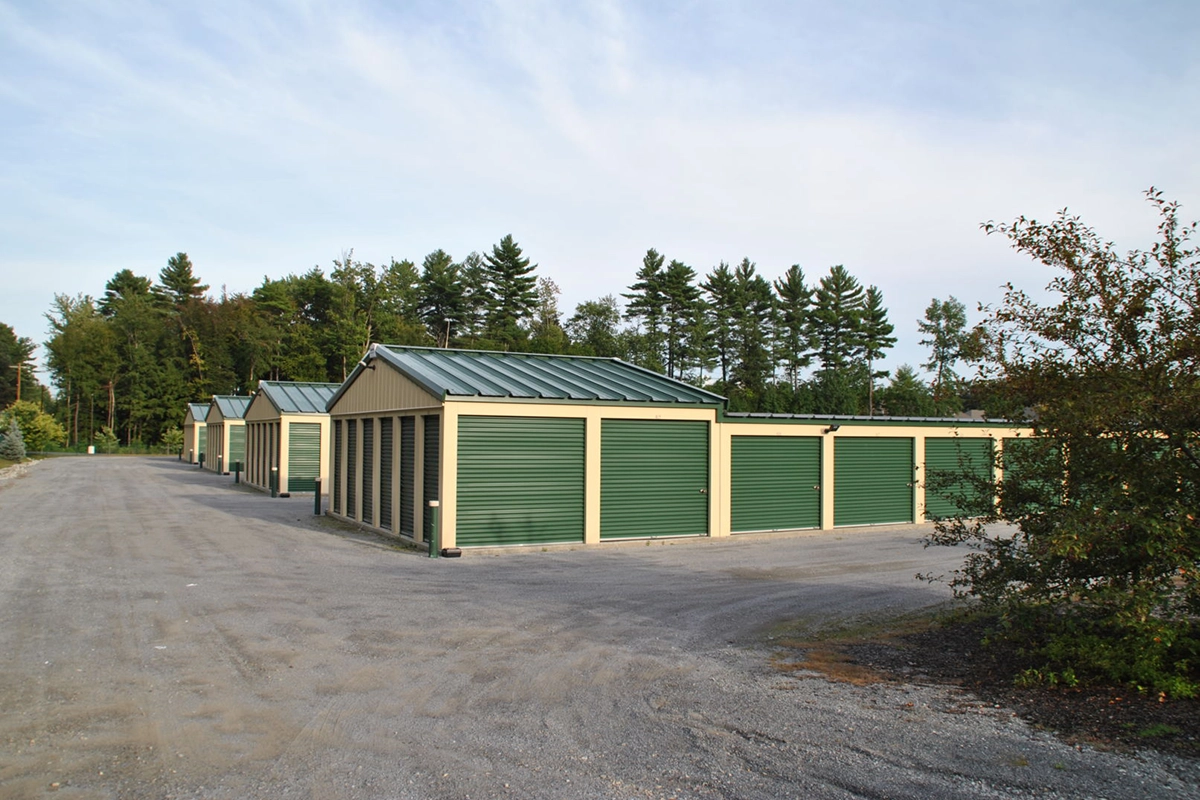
<point x="15" y="352"/>
<point x="12" y="446"/>
<point x="906" y="395"/>
<point x="593" y="328"/>
<point x="949" y="341"/>
<point x="837" y="319"/>
<point x="1098" y="571"/>
<point x="38" y="429"/>
<point x="794" y="339"/>
<point x="876" y="337"/>
<point x="172" y="440"/>
<point x="513" y="294"/>
<point x="107" y="441"/>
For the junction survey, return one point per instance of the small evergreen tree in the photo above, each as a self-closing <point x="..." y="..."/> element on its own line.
<point x="12" y="445"/>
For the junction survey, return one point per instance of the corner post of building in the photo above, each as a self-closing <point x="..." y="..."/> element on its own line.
<point x="593" y="424"/>
<point x="446" y="518"/>
<point x="719" y="486"/>
<point x="919" y="477"/>
<point x="282" y="445"/>
<point x="827" y="472"/>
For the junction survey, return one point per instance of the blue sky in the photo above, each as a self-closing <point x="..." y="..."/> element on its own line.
<point x="267" y="138"/>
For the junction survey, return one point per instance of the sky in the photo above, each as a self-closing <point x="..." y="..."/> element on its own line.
<point x="266" y="138"/>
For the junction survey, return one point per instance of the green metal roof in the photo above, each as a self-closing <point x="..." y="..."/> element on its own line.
<point x="297" y="397"/>
<point x="231" y="407"/>
<point x="478" y="373"/>
<point x="199" y="410"/>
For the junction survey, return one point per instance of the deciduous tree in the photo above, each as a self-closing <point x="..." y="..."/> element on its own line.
<point x="1098" y="572"/>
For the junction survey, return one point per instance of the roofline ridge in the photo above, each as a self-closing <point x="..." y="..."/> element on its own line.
<point x="494" y="352"/>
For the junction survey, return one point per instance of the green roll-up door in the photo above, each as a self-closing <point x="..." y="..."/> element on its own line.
<point x="872" y="481"/>
<point x="953" y="468"/>
<point x="202" y="441"/>
<point x="237" y="446"/>
<point x="520" y="480"/>
<point x="429" y="485"/>
<point x="368" y="471"/>
<point x="775" y="483"/>
<point x="408" y="475"/>
<point x="304" y="456"/>
<point x="386" y="454"/>
<point x="653" y="478"/>
<point x="336" y="490"/>
<point x="352" y="468"/>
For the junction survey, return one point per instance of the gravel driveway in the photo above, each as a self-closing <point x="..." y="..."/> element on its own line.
<point x="165" y="634"/>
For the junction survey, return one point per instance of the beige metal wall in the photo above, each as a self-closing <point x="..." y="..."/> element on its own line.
<point x="375" y="394"/>
<point x="191" y="440"/>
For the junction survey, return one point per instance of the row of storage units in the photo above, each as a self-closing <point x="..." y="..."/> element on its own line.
<point x="276" y="440"/>
<point x="287" y="430"/>
<point x="495" y="449"/>
<point x="223" y="442"/>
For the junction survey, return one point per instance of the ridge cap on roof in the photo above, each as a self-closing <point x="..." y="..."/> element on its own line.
<point x="513" y="353"/>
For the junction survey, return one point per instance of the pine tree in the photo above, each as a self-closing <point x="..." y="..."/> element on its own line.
<point x="836" y="319"/>
<point x="722" y="306"/>
<point x="794" y="338"/>
<point x="876" y="339"/>
<point x="753" y="328"/>
<point x="647" y="305"/>
<point x="513" y="293"/>
<point x="443" y="302"/>
<point x="178" y="284"/>
<point x="681" y="311"/>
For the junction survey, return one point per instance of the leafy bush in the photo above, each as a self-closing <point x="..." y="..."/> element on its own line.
<point x="1098" y="572"/>
<point x="106" y="440"/>
<point x="38" y="429"/>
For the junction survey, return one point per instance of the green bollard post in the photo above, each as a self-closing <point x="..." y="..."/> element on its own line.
<point x="317" y="498"/>
<point x="274" y="481"/>
<point x="237" y="472"/>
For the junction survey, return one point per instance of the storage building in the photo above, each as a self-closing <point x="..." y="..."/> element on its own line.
<point x="195" y="432"/>
<point x="520" y="449"/>
<point x="525" y="449"/>
<point x="226" y="433"/>
<point x="286" y="431"/>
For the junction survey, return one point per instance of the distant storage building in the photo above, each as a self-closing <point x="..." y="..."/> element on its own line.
<point x="525" y="449"/>
<point x="287" y="429"/>
<point x="226" y="433"/>
<point x="194" y="432"/>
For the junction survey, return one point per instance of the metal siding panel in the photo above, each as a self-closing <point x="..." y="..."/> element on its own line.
<point x="873" y="480"/>
<point x="336" y="491"/>
<point x="386" y="454"/>
<point x="368" y="470"/>
<point x="775" y="483"/>
<point x="202" y="441"/>
<point x="949" y="460"/>
<point x="351" y="468"/>
<point x="304" y="456"/>
<point x="653" y="478"/>
<point x="520" y="480"/>
<point x="429" y="488"/>
<point x="408" y="475"/>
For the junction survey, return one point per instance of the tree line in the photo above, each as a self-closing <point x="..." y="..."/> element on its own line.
<point x="128" y="360"/>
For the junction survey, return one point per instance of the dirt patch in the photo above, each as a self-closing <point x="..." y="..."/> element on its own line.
<point x="948" y="651"/>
